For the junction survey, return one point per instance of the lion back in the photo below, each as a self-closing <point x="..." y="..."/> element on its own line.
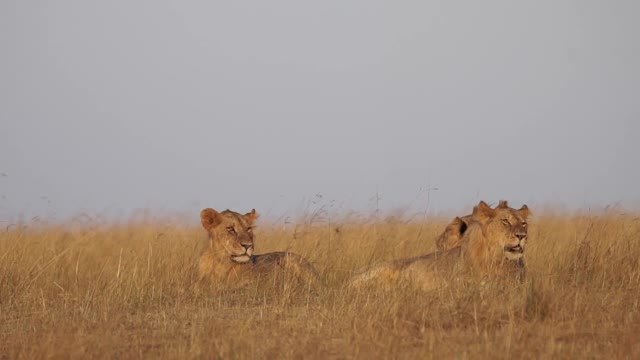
<point x="290" y="264"/>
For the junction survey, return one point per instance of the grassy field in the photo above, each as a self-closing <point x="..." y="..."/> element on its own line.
<point x="125" y="291"/>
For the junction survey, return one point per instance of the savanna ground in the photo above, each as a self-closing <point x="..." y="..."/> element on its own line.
<point x="125" y="291"/>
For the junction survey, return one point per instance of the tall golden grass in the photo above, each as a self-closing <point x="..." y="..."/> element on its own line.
<point x="125" y="291"/>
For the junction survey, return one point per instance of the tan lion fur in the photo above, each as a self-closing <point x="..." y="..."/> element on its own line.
<point x="453" y="232"/>
<point x="228" y="260"/>
<point x="492" y="244"/>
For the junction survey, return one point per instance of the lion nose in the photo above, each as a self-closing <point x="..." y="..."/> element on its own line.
<point x="521" y="236"/>
<point x="247" y="246"/>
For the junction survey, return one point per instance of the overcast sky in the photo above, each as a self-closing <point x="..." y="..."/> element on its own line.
<point x="112" y="106"/>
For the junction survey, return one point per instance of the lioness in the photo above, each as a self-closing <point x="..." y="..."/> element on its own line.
<point x="492" y="244"/>
<point x="229" y="260"/>
<point x="454" y="231"/>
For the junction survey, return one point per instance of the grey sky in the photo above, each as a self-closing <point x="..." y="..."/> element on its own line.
<point x="174" y="106"/>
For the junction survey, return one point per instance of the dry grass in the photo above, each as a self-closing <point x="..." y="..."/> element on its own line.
<point x="124" y="291"/>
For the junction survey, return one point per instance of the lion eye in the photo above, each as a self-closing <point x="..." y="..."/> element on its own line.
<point x="524" y="224"/>
<point x="231" y="229"/>
<point x="249" y="229"/>
<point x="506" y="222"/>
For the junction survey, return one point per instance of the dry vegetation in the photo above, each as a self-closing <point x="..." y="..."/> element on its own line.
<point x="124" y="291"/>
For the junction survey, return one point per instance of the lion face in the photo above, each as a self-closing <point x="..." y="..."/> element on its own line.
<point x="232" y="231"/>
<point x="505" y="227"/>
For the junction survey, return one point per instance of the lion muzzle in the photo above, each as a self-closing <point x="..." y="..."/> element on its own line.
<point x="515" y="249"/>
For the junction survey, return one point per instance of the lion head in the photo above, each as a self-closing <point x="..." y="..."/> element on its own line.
<point x="504" y="229"/>
<point x="454" y="231"/>
<point x="232" y="231"/>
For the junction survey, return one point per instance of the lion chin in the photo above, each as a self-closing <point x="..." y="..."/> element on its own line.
<point x="514" y="252"/>
<point x="241" y="258"/>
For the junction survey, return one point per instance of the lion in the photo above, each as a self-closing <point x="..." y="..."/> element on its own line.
<point x="454" y="231"/>
<point x="229" y="261"/>
<point x="492" y="244"/>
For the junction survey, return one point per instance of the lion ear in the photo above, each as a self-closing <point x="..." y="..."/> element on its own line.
<point x="503" y="204"/>
<point x="524" y="211"/>
<point x="252" y="216"/>
<point x="467" y="219"/>
<point x="482" y="212"/>
<point x="458" y="225"/>
<point x="455" y="225"/>
<point x="210" y="218"/>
